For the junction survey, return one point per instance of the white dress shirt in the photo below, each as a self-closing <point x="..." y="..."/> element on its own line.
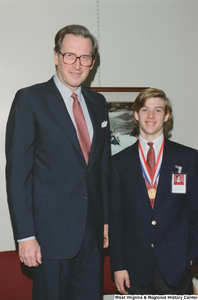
<point x="66" y="94"/>
<point x="156" y="145"/>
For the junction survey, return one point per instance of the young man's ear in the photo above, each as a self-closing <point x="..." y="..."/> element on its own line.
<point x="136" y="116"/>
<point x="166" y="117"/>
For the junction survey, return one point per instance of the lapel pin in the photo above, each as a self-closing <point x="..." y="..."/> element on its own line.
<point x="179" y="168"/>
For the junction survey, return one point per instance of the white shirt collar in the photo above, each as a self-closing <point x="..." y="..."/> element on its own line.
<point x="65" y="91"/>
<point x="157" y="144"/>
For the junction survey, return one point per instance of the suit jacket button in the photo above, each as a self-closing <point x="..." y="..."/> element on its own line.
<point x="84" y="197"/>
<point x="153" y="222"/>
<point x="152" y="245"/>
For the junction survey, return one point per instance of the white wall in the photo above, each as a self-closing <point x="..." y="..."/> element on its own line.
<point x="142" y="43"/>
<point x="158" y="43"/>
<point x="27" y="30"/>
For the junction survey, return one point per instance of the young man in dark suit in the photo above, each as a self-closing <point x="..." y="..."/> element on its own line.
<point x="58" y="150"/>
<point x="153" y="223"/>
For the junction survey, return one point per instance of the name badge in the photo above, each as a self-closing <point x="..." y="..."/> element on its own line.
<point x="179" y="183"/>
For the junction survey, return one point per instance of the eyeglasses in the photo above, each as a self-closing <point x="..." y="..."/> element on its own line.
<point x="71" y="58"/>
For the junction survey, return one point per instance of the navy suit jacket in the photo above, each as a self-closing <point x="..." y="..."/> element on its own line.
<point x="171" y="241"/>
<point x="49" y="184"/>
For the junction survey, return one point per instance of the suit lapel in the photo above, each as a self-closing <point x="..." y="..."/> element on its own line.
<point x="135" y="171"/>
<point x="167" y="167"/>
<point x="56" y="104"/>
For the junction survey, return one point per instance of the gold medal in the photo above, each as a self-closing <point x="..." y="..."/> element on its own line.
<point x="152" y="193"/>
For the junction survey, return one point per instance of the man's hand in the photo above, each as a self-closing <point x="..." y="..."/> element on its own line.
<point x="30" y="253"/>
<point x="106" y="236"/>
<point x="122" y="277"/>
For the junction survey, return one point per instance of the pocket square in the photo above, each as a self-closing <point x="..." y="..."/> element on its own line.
<point x="104" y="124"/>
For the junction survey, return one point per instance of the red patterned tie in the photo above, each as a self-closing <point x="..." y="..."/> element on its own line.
<point x="83" y="133"/>
<point x="151" y="159"/>
<point x="151" y="165"/>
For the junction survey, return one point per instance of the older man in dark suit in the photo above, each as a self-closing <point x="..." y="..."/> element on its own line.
<point x="153" y="223"/>
<point x="58" y="149"/>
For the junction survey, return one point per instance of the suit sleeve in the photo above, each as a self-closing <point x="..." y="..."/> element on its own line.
<point x="105" y="167"/>
<point x="192" y="194"/>
<point x="20" y="140"/>
<point x="116" y="221"/>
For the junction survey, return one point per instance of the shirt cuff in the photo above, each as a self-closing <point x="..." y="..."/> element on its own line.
<point x="27" y="239"/>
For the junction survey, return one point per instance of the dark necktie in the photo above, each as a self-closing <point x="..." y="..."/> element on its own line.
<point x="83" y="133"/>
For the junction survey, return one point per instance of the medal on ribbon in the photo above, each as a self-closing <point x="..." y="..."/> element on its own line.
<point x="151" y="184"/>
